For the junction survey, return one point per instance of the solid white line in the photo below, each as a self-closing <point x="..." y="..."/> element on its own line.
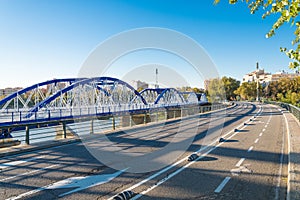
<point x="260" y="134"/>
<point x="180" y="161"/>
<point x="27" y="173"/>
<point x="240" y="162"/>
<point x="280" y="168"/>
<point x="256" y="140"/>
<point x="250" y="149"/>
<point x="289" y="158"/>
<point x="222" y="185"/>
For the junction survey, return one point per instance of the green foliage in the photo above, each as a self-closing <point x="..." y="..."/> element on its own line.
<point x="247" y="91"/>
<point x="230" y="85"/>
<point x="216" y="90"/>
<point x="221" y="89"/>
<point x="190" y="89"/>
<point x="288" y="11"/>
<point x="284" y="90"/>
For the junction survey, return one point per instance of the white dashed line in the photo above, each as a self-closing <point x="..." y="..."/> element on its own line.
<point x="256" y="141"/>
<point x="240" y="162"/>
<point x="263" y="129"/>
<point x="260" y="134"/>
<point x="222" y="185"/>
<point x="250" y="149"/>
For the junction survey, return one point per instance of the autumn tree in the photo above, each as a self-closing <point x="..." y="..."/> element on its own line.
<point x="284" y="90"/>
<point x="247" y="91"/>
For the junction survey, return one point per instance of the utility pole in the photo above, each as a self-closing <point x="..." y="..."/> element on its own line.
<point x="257" y="82"/>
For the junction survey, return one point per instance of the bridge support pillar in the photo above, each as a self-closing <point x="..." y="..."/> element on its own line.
<point x="130" y="120"/>
<point x="64" y="129"/>
<point x="92" y="127"/>
<point x="113" y="123"/>
<point x="27" y="140"/>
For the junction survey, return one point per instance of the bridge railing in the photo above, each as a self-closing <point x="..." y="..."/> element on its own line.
<point x="66" y="123"/>
<point x="291" y="108"/>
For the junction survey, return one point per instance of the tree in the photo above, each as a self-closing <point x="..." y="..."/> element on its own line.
<point x="247" y="91"/>
<point x="230" y="85"/>
<point x="216" y="90"/>
<point x="221" y="89"/>
<point x="285" y="90"/>
<point x="288" y="11"/>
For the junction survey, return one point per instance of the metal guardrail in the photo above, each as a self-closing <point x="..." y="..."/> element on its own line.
<point x="61" y="129"/>
<point x="291" y="108"/>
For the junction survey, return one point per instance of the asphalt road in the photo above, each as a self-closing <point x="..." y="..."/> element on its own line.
<point x="251" y="162"/>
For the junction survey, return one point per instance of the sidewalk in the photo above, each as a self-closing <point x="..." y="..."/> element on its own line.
<point x="294" y="157"/>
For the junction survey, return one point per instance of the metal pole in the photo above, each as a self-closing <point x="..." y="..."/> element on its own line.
<point x="92" y="127"/>
<point x="27" y="135"/>
<point x="113" y="123"/>
<point x="257" y="83"/>
<point x="64" y="130"/>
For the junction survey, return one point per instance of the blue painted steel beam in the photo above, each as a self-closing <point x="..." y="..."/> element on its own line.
<point x="76" y="84"/>
<point x="164" y="91"/>
<point x="13" y="95"/>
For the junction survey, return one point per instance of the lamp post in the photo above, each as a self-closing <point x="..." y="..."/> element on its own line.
<point x="257" y="82"/>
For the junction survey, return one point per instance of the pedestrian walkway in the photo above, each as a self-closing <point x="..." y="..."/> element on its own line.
<point x="293" y="130"/>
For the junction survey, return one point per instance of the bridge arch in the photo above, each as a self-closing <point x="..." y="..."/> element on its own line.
<point x="169" y="96"/>
<point x="190" y="97"/>
<point x="32" y="95"/>
<point x="92" y="92"/>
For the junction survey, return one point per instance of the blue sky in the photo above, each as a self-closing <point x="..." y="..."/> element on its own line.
<point x="45" y="39"/>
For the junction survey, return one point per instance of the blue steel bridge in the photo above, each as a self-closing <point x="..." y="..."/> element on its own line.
<point x="67" y="99"/>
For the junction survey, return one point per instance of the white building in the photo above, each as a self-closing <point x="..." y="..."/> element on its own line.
<point x="265" y="77"/>
<point x="139" y="85"/>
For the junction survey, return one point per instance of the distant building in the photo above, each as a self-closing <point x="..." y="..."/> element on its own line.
<point x="283" y="74"/>
<point x="139" y="85"/>
<point x="261" y="75"/>
<point x="265" y="77"/>
<point x="9" y="90"/>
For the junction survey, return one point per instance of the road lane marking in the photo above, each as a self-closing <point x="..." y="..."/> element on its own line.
<point x="250" y="149"/>
<point x="280" y="168"/>
<point x="237" y="171"/>
<point x="74" y="183"/>
<point x="63" y="182"/>
<point x="260" y="134"/>
<point x="263" y="129"/>
<point x="222" y="185"/>
<point x="18" y="162"/>
<point x="240" y="162"/>
<point x="241" y="127"/>
<point x="288" y="197"/>
<point x="256" y="141"/>
<point x="266" y="126"/>
<point x="27" y="173"/>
